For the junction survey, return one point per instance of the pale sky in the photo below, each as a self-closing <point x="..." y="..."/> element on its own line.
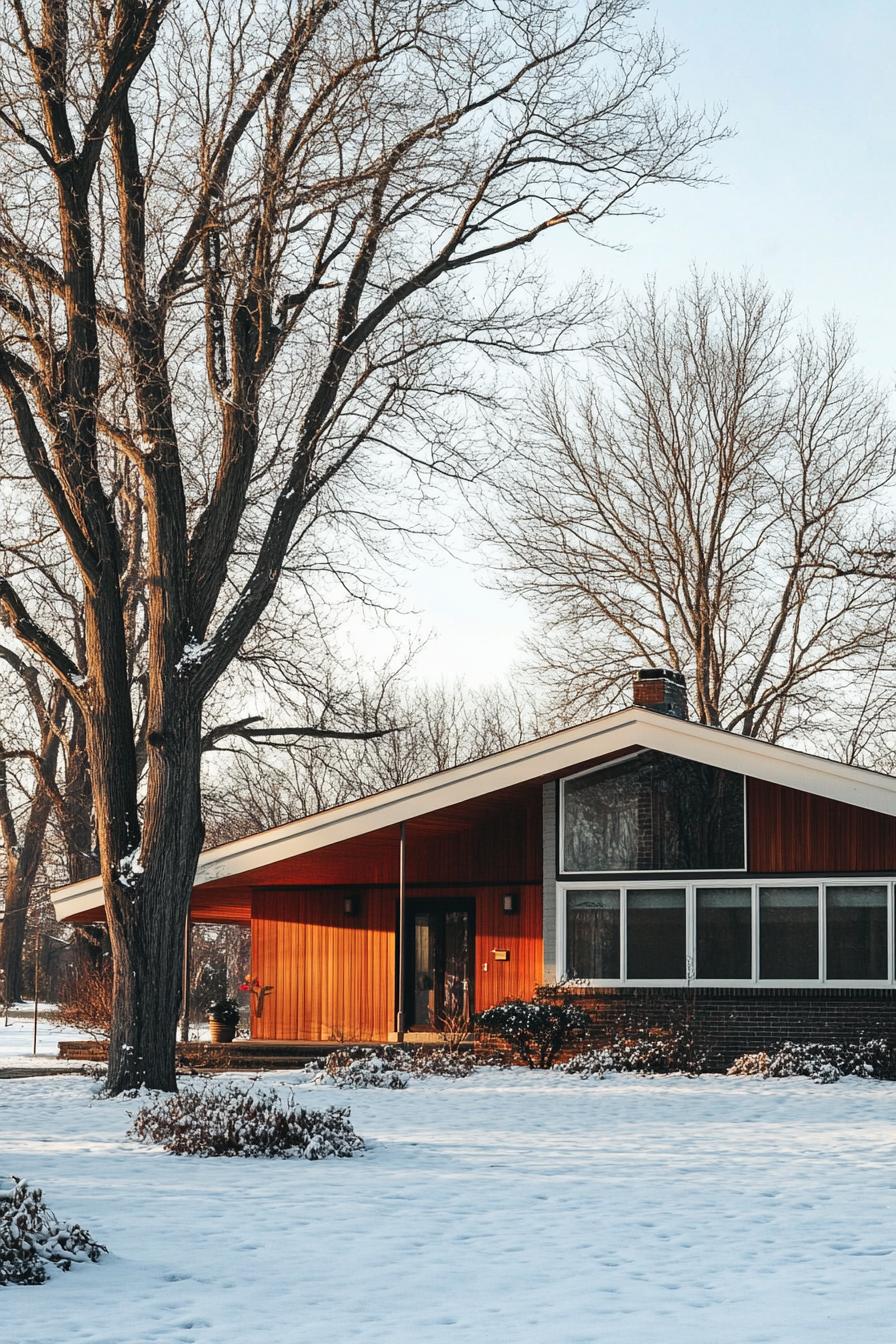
<point x="808" y="201"/>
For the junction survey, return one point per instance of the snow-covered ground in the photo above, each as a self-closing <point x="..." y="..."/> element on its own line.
<point x="17" y="1039"/>
<point x="510" y="1205"/>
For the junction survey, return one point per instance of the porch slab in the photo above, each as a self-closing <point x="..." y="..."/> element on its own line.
<point x="204" y="1056"/>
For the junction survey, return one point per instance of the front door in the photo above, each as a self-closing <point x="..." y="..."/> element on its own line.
<point x="439" y="969"/>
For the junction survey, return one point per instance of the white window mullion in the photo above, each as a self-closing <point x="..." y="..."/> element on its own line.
<point x="560" y="931"/>
<point x="623" y="933"/>
<point x="755" y="903"/>
<point x="822" y="932"/>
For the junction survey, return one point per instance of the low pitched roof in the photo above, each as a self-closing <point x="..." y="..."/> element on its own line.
<point x="557" y="754"/>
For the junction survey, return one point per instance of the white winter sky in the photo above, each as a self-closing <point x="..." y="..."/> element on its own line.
<point x="808" y="199"/>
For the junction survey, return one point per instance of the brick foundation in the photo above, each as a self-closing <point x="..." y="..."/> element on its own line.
<point x="730" y="1022"/>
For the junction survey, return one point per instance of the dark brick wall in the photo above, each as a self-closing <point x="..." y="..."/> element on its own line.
<point x="730" y="1022"/>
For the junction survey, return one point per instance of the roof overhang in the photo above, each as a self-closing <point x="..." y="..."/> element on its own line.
<point x="557" y="754"/>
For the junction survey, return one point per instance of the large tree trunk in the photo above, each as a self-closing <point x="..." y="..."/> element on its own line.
<point x="148" y="909"/>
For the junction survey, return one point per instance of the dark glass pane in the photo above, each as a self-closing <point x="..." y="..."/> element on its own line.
<point x="600" y="821"/>
<point x="456" y="1000"/>
<point x="656" y="935"/>
<point x="424" y="971"/>
<point x="592" y="935"/>
<point x="442" y="948"/>
<point x="651" y="812"/>
<point x="788" y="933"/>
<point x="856" y="933"/>
<point x="724" y="933"/>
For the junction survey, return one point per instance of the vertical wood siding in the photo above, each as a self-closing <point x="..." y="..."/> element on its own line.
<point x="331" y="975"/>
<point x="518" y="934"/>
<point x="794" y="832"/>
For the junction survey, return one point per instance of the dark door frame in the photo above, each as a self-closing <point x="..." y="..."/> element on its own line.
<point x="415" y="905"/>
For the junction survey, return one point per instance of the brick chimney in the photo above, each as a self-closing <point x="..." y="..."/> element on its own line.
<point x="661" y="689"/>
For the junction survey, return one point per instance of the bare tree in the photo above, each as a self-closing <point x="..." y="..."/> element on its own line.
<point x="432" y="729"/>
<point x="282" y="231"/>
<point x="687" y="509"/>
<point x="29" y="765"/>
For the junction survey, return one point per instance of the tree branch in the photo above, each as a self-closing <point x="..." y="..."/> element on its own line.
<point x="242" y="728"/>
<point x="27" y="630"/>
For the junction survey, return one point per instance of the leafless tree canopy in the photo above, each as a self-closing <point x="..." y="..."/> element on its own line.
<point x="690" y="504"/>
<point x="435" y="728"/>
<point x="250" y="254"/>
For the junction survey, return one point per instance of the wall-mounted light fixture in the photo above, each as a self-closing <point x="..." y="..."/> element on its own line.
<point x="511" y="902"/>
<point x="351" y="903"/>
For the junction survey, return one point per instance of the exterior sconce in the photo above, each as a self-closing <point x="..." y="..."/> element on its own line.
<point x="511" y="902"/>
<point x="351" y="903"/>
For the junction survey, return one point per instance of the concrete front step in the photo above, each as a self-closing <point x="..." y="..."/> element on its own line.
<point x="412" y="1038"/>
<point x="242" y="1054"/>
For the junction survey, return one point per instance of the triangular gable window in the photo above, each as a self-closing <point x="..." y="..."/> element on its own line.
<point x="651" y="812"/>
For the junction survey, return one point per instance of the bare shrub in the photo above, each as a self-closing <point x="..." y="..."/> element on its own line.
<point x="86" y="1004"/>
<point x="226" y="1120"/>
<point x="455" y="1029"/>
<point x="32" y="1238"/>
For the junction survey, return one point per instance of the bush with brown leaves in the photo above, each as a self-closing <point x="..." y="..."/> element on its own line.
<point x="86" y="1002"/>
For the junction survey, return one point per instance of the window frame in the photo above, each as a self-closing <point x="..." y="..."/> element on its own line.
<point x="753" y="883"/>
<point x="563" y="873"/>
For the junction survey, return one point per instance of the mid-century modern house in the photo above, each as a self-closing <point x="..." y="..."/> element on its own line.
<point x="640" y="856"/>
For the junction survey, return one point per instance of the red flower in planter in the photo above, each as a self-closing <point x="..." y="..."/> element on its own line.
<point x="258" y="991"/>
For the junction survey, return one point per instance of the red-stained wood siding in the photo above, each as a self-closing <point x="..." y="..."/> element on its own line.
<point x="208" y="905"/>
<point x="330" y="975"/>
<point x="519" y="935"/>
<point x="233" y="906"/>
<point x="334" y="975"/>
<point x="794" y="832"/>
<point x="496" y="838"/>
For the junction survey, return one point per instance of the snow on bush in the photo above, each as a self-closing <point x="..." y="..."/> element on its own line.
<point x="589" y="1064"/>
<point x="442" y="1063"/>
<point x="752" y="1064"/>
<point x="390" y="1066"/>
<point x="536" y="1031"/>
<point x="226" y="1120"/>
<point x="657" y="1051"/>
<point x="822" y="1063"/>
<point x="32" y="1238"/>
<point x="673" y="1050"/>
<point x="360" y="1066"/>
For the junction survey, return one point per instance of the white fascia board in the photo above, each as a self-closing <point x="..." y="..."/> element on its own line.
<point x="777" y="765"/>
<point x="556" y="754"/>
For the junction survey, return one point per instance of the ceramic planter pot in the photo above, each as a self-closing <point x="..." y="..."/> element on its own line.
<point x="221" y="1033"/>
